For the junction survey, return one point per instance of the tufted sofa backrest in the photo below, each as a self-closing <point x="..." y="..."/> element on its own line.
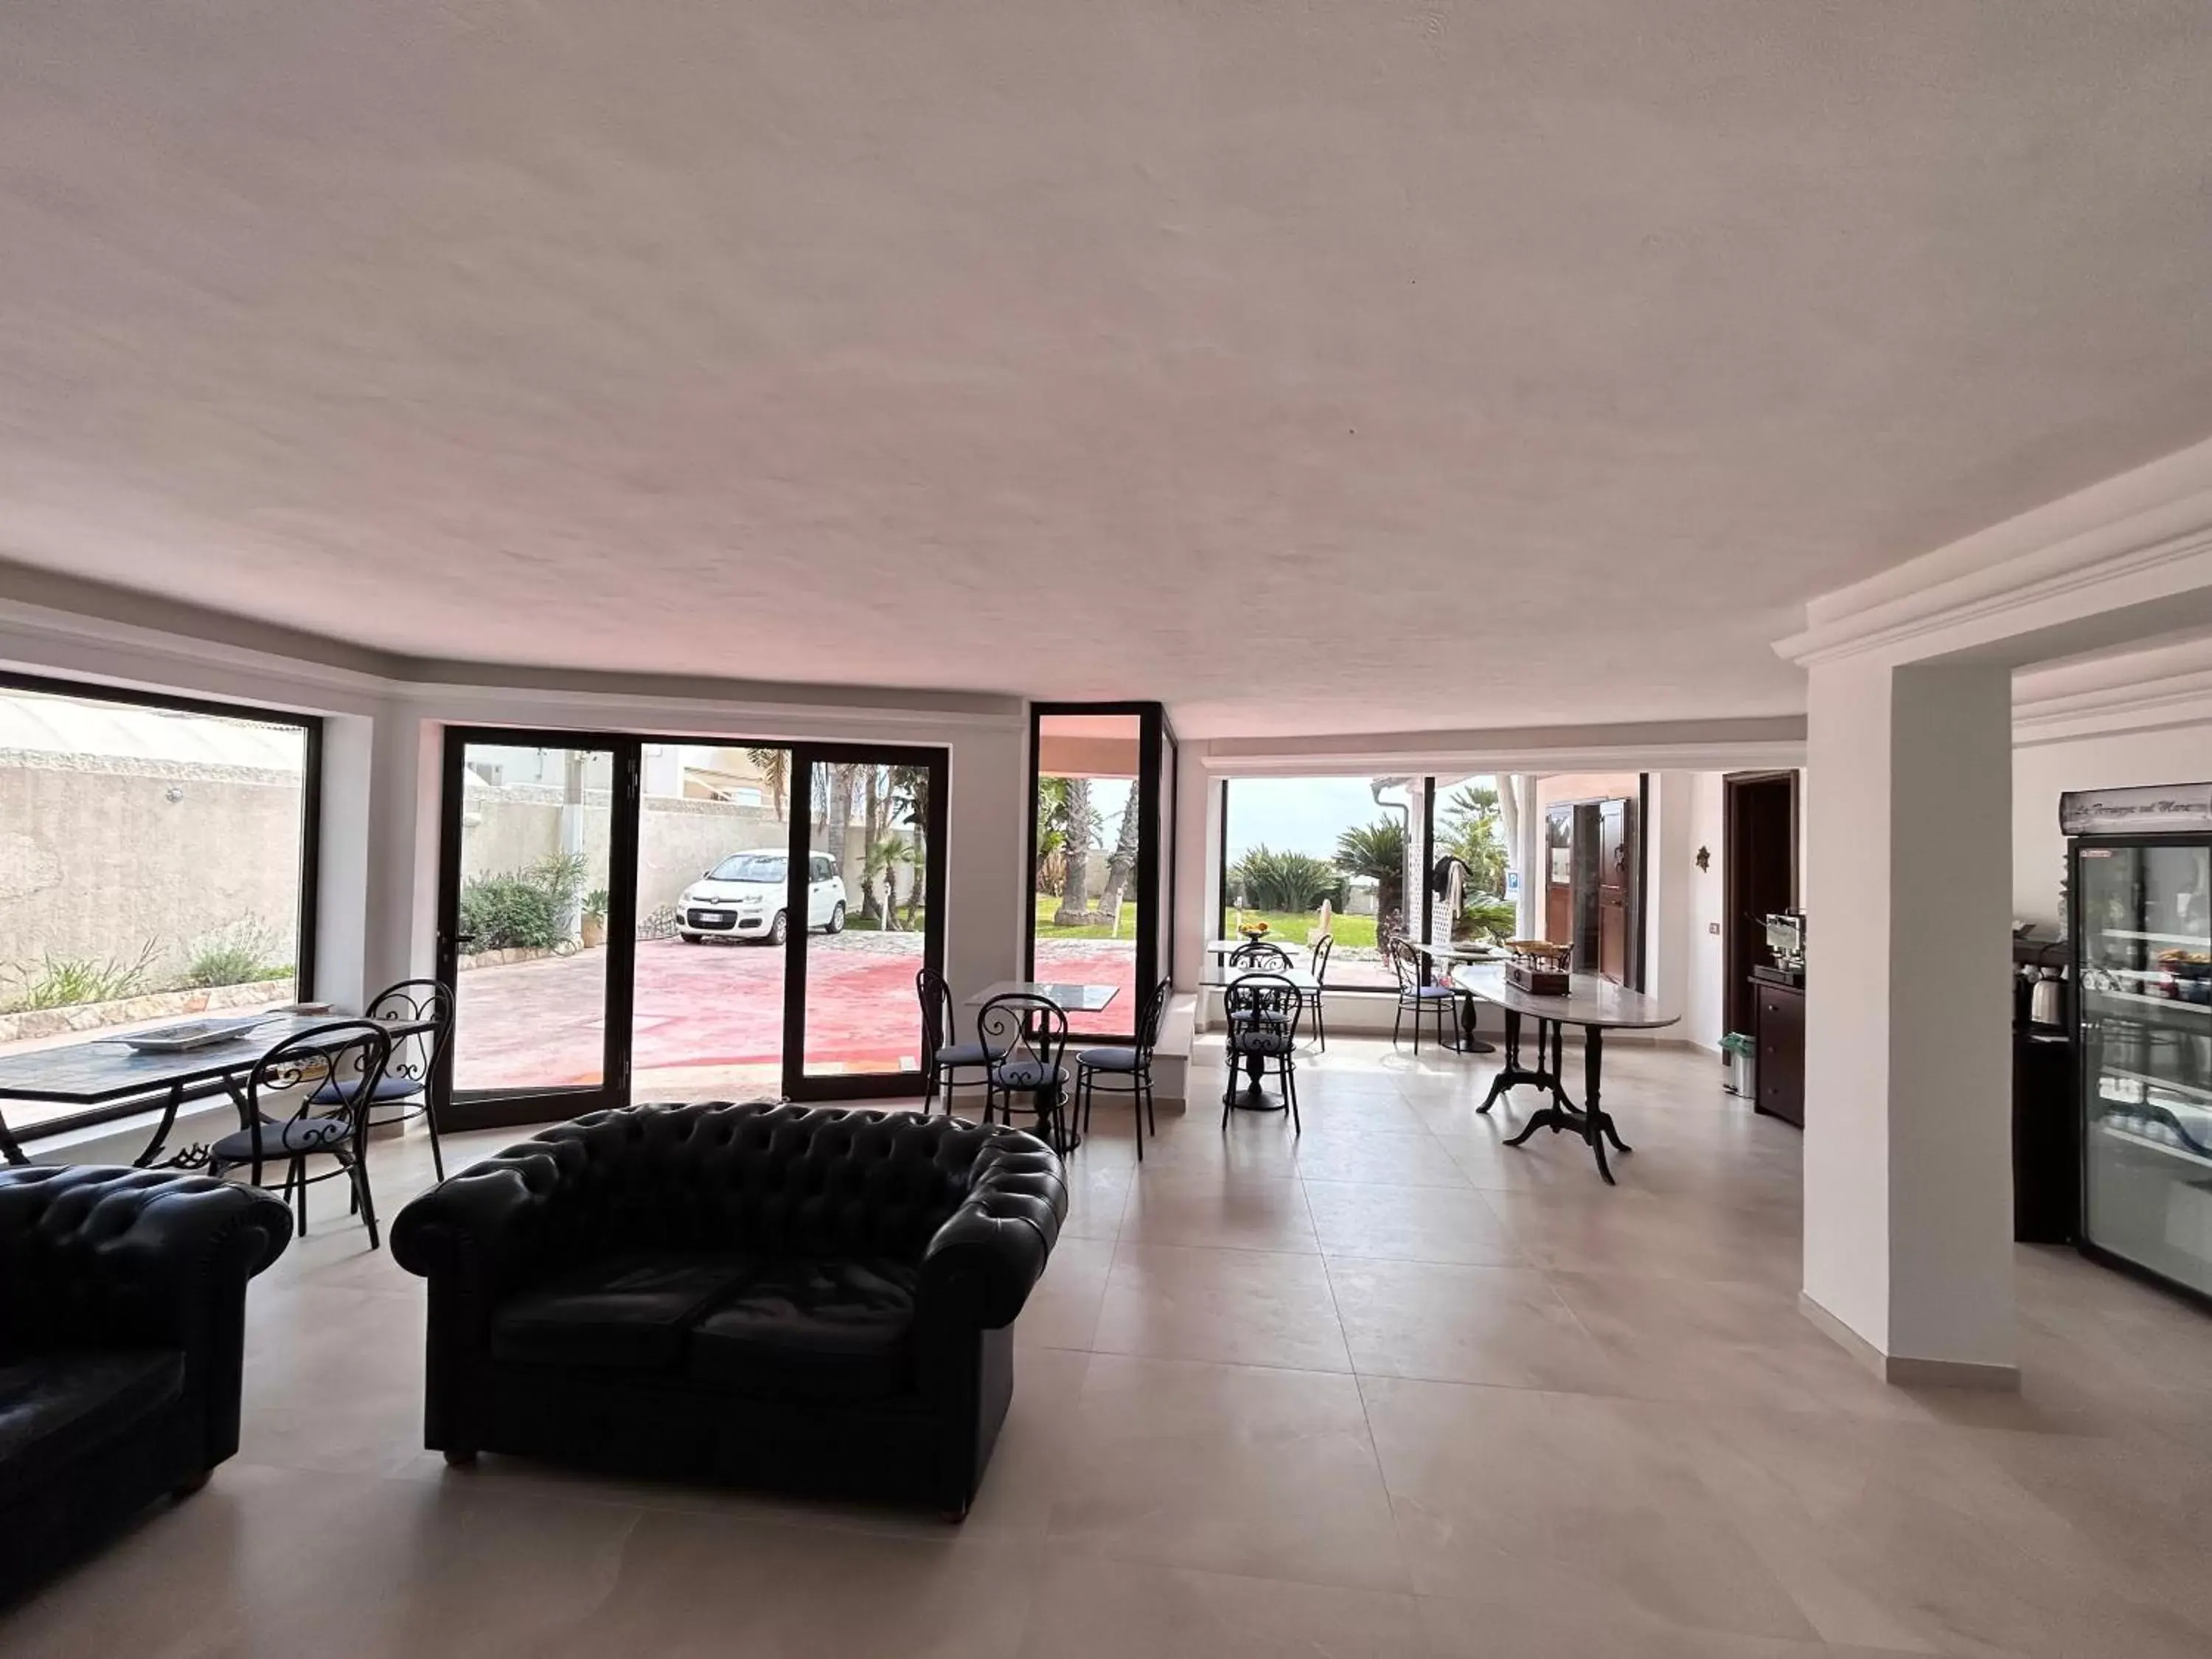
<point x="756" y="1177"/>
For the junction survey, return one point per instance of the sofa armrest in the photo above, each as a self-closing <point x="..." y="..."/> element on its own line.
<point x="95" y="1254"/>
<point x="980" y="1265"/>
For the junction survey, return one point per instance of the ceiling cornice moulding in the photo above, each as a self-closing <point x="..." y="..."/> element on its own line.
<point x="2129" y="538"/>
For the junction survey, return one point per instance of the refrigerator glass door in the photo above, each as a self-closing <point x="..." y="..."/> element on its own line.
<point x="2145" y="939"/>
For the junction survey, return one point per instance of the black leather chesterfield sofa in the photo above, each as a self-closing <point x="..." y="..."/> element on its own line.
<point x="803" y="1298"/>
<point x="122" y="1339"/>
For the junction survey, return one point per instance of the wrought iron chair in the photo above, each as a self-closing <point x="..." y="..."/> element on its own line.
<point x="1026" y="1037"/>
<point x="1322" y="948"/>
<point x="1134" y="1064"/>
<point x="941" y="1061"/>
<point x="407" y="1079"/>
<point x="1417" y="996"/>
<point x="327" y="1079"/>
<point x="1263" y="1012"/>
<point x="1260" y="954"/>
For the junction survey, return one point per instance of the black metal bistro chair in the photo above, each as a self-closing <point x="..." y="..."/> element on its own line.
<point x="942" y="1060"/>
<point x="1418" y="997"/>
<point x="1134" y="1064"/>
<point x="1260" y="954"/>
<point x="1026" y="1037"/>
<point x="404" y="1091"/>
<point x="1263" y="1012"/>
<point x="1322" y="948"/>
<point x="309" y="1097"/>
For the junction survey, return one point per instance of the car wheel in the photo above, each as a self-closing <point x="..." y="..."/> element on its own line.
<point x="693" y="938"/>
<point x="836" y="918"/>
<point x="778" y="930"/>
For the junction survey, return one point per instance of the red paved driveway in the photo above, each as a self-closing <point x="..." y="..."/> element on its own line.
<point x="709" y="1017"/>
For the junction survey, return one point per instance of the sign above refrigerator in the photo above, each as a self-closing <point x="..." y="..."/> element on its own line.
<point x="2156" y="809"/>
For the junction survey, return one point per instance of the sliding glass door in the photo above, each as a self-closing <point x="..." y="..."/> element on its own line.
<point x="536" y="935"/>
<point x="867" y="888"/>
<point x="1102" y="811"/>
<point x="627" y="919"/>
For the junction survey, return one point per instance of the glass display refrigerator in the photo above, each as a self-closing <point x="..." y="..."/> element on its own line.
<point x="2140" y="883"/>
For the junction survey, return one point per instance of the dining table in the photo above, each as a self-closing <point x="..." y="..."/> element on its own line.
<point x="1593" y="1004"/>
<point x="106" y="1071"/>
<point x="1053" y="1109"/>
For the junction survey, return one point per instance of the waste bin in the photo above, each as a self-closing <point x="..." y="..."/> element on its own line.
<point x="1737" y="1048"/>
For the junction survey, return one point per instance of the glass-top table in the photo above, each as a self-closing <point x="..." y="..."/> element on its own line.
<point x="1075" y="999"/>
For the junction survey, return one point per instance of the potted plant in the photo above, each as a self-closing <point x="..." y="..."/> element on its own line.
<point x="594" y="929"/>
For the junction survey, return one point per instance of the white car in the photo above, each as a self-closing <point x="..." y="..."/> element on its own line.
<point x="744" y="896"/>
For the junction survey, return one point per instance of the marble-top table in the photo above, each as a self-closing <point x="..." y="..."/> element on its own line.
<point x="1598" y="1006"/>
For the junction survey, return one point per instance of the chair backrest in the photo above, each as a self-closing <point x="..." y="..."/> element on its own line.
<point x="1259" y="954"/>
<point x="1405" y="964"/>
<point x="935" y="997"/>
<point x="415" y="1056"/>
<point x="1323" y="948"/>
<point x="1267" y="999"/>
<point x="1153" y="1017"/>
<point x="329" y="1073"/>
<point x="1020" y="1025"/>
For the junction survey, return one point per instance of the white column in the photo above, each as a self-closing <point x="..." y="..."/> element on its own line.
<point x="1908" y="1141"/>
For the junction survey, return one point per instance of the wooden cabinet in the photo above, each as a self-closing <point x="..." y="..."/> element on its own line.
<point x="1780" y="1038"/>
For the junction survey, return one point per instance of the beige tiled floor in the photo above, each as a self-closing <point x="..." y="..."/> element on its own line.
<point x="1387" y="1388"/>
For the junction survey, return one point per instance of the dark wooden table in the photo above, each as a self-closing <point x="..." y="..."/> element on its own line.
<point x="1596" y="1005"/>
<point x="103" y="1071"/>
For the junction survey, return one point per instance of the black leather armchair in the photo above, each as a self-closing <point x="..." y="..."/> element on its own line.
<point x="122" y="1340"/>
<point x="805" y="1297"/>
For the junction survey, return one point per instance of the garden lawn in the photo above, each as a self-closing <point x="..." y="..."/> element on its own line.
<point x="1292" y="927"/>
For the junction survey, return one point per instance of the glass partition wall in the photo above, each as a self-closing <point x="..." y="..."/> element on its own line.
<point x="157" y="862"/>
<point x="1102" y="809"/>
<point x="627" y="919"/>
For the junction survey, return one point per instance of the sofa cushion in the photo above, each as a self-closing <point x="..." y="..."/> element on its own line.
<point x="57" y="1408"/>
<point x="813" y="1330"/>
<point x="628" y="1311"/>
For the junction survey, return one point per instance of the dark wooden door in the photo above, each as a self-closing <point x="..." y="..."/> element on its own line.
<point x="1559" y="875"/>
<point x="1613" y="890"/>
<point x="1759" y="873"/>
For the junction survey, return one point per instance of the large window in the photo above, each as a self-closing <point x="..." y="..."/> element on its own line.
<point x="156" y="859"/>
<point x="1354" y="857"/>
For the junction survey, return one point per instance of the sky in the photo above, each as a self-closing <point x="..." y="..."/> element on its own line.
<point x="1298" y="815"/>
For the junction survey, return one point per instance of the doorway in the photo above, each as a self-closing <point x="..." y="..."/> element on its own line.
<point x="1593" y="866"/>
<point x="626" y="918"/>
<point x="1758" y="829"/>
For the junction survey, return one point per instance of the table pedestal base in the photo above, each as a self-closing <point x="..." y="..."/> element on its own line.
<point x="1588" y="1119"/>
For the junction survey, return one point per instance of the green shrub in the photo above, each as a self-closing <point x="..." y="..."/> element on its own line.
<point x="239" y="954"/>
<point x="523" y="909"/>
<point x="1493" y="918"/>
<point x="1268" y="880"/>
<point x="65" y="982"/>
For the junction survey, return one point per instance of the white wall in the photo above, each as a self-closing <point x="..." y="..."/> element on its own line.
<point x="2041" y="772"/>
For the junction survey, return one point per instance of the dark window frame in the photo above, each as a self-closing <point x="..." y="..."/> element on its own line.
<point x="311" y="823"/>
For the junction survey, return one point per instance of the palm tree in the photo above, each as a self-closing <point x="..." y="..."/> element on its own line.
<point x="774" y="765"/>
<point x="909" y="789"/>
<point x="1377" y="851"/>
<point x="1123" y="862"/>
<point x="1078" y="830"/>
<point x="871" y="823"/>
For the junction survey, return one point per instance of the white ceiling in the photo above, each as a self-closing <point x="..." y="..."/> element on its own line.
<point x="1350" y="365"/>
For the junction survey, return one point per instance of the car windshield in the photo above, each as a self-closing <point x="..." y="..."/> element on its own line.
<point x="751" y="867"/>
